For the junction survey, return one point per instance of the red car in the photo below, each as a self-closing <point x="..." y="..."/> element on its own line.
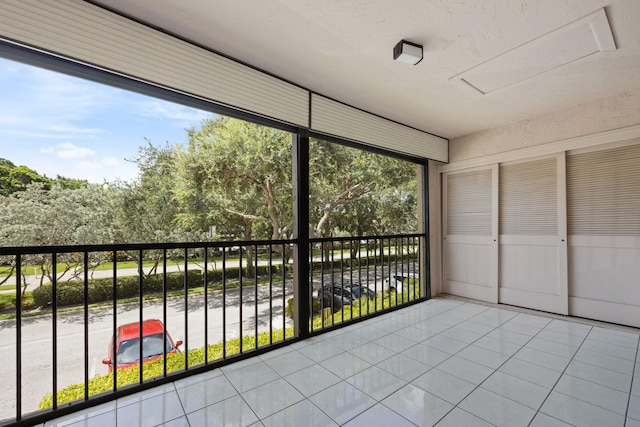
<point x="128" y="344"/>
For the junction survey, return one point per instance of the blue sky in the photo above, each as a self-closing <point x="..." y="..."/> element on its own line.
<point x="61" y="125"/>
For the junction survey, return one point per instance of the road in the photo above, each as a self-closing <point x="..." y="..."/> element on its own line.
<point x="33" y="281"/>
<point x="37" y="378"/>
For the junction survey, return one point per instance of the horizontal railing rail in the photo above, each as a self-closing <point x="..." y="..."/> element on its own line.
<point x="84" y="324"/>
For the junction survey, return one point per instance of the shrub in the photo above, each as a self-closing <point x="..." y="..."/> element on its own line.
<point x="100" y="290"/>
<point x="175" y="362"/>
<point x="315" y="304"/>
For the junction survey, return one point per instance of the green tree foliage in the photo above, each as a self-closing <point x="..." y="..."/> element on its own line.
<point x="144" y="209"/>
<point x="234" y="174"/>
<point x="16" y="178"/>
<point x="41" y="216"/>
<point x="357" y="192"/>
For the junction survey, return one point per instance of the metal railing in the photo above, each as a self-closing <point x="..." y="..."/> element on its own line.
<point x="356" y="277"/>
<point x="77" y="320"/>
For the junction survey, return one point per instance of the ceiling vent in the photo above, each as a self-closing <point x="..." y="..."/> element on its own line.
<point x="567" y="44"/>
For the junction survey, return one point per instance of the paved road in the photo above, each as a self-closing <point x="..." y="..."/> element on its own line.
<point x="37" y="337"/>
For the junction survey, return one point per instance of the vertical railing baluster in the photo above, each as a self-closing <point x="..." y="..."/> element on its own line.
<point x="224" y="302"/>
<point x="375" y="274"/>
<point x="206" y="305"/>
<point x="114" y="356"/>
<point x="396" y="265"/>
<point x="54" y="324"/>
<point x="140" y="317"/>
<point x="367" y="267"/>
<point x="420" y="272"/>
<point x="255" y="259"/>
<point x="311" y="327"/>
<point x="86" y="324"/>
<point x="164" y="309"/>
<point x="402" y="269"/>
<point x="284" y="293"/>
<point x="240" y="302"/>
<point x="322" y="290"/>
<point x="18" y="337"/>
<point x="271" y="293"/>
<point x="186" y="309"/>
<point x="342" y="276"/>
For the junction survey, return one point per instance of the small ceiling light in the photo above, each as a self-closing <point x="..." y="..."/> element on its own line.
<point x="408" y="52"/>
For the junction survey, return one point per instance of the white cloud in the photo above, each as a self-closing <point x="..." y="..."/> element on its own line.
<point x="67" y="150"/>
<point x="182" y="116"/>
<point x="47" y="150"/>
<point x="88" y="166"/>
<point x="110" y="161"/>
<point x="77" y="130"/>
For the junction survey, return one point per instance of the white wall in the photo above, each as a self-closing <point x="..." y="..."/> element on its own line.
<point x="435" y="228"/>
<point x="614" y="112"/>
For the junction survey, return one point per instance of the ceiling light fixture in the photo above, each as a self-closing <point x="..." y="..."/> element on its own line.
<point x="408" y="52"/>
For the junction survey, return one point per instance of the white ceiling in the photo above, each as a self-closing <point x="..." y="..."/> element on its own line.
<point x="343" y="49"/>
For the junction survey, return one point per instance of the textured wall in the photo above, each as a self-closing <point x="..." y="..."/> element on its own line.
<point x="435" y="227"/>
<point x="613" y="112"/>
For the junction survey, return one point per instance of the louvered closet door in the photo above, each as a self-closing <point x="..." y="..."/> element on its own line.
<point x="533" y="254"/>
<point x="603" y="203"/>
<point x="470" y="228"/>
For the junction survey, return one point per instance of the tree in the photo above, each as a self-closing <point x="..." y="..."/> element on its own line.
<point x="145" y="210"/>
<point x="234" y="174"/>
<point x="16" y="178"/>
<point x="237" y="176"/>
<point x="357" y="192"/>
<point x="37" y="216"/>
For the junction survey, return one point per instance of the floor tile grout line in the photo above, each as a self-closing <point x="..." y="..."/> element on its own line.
<point x="593" y="382"/>
<point x="633" y="373"/>
<point x="239" y="394"/>
<point x="434" y="367"/>
<point x="494" y="371"/>
<point x="468" y="345"/>
<point x="409" y="382"/>
<point x="560" y="377"/>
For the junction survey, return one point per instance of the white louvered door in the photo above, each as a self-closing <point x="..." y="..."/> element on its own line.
<point x="533" y="251"/>
<point x="470" y="234"/>
<point x="603" y="204"/>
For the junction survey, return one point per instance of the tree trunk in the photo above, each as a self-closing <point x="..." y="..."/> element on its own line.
<point x="250" y="257"/>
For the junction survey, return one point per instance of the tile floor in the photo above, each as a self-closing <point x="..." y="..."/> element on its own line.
<point x="444" y="362"/>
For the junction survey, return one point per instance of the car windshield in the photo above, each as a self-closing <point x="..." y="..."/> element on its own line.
<point x="129" y="350"/>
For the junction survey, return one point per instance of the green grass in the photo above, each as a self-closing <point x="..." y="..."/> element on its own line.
<point x="8" y="301"/>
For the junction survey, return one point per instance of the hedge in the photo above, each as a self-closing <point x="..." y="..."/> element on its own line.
<point x="101" y="290"/>
<point x="363" y="260"/>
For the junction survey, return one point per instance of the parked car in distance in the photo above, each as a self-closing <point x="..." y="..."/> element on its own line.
<point x="336" y="295"/>
<point x="128" y="344"/>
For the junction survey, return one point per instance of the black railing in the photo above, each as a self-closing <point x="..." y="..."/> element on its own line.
<point x="355" y="277"/>
<point x="73" y="316"/>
